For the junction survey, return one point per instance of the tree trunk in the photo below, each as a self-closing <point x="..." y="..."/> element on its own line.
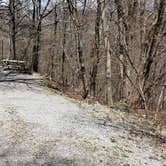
<point x="37" y="20"/>
<point x="63" y="46"/>
<point x="153" y="38"/>
<point x="72" y="6"/>
<point x="96" y="51"/>
<point x="37" y="49"/>
<point x="52" y="52"/>
<point x="12" y="9"/>
<point x="109" y="96"/>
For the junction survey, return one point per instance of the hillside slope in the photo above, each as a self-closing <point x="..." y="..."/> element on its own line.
<point x="40" y="127"/>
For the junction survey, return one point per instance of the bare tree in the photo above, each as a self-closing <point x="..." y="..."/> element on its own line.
<point x="113" y="50"/>
<point x="39" y="13"/>
<point x="105" y="26"/>
<point x="96" y="52"/>
<point x="72" y="5"/>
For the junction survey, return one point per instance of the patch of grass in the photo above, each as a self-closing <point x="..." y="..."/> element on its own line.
<point x="126" y="165"/>
<point x="115" y="153"/>
<point x="1" y="61"/>
<point x="121" y="151"/>
<point x="153" y="158"/>
<point x="1" y="123"/>
<point x="163" y="156"/>
<point x="128" y="151"/>
<point x="125" y="155"/>
<point x="45" y="83"/>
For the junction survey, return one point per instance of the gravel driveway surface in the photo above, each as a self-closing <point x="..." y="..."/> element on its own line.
<point x="40" y="127"/>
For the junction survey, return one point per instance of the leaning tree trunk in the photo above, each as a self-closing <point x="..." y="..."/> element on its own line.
<point x="150" y="45"/>
<point x="153" y="38"/>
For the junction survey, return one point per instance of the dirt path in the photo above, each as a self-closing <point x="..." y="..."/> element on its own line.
<point x="39" y="127"/>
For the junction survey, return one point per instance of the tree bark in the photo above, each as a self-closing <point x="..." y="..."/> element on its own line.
<point x="72" y="6"/>
<point x="109" y="95"/>
<point x="96" y="49"/>
<point x="12" y="9"/>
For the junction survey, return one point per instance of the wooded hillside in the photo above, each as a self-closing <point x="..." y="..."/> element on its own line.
<point x="112" y="50"/>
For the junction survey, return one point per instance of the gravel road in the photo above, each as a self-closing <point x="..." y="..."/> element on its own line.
<point x="40" y="127"/>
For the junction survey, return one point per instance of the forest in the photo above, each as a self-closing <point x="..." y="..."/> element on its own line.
<point x="111" y="50"/>
<point x="82" y="82"/>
